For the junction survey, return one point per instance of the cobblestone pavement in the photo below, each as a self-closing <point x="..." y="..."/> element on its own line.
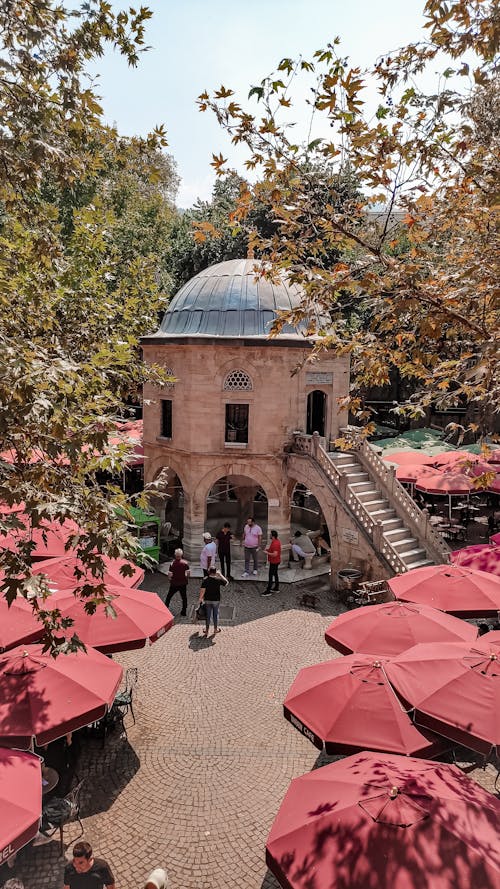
<point x="197" y="784"/>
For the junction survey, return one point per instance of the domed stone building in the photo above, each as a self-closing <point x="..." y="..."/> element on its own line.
<point x="222" y="427"/>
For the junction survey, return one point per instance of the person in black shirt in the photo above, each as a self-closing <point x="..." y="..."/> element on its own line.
<point x="87" y="872"/>
<point x="210" y="595"/>
<point x="223" y="538"/>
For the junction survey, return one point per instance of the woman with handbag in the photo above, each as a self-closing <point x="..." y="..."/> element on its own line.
<point x="210" y="597"/>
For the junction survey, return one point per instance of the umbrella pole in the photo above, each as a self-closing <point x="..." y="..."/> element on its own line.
<point x="449" y="507"/>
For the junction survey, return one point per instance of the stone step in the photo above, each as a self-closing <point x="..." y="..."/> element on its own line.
<point x="413" y="555"/>
<point x="395" y="534"/>
<point x="372" y="506"/>
<point x="383" y="515"/>
<point x="392" y="524"/>
<point x="405" y="544"/>
<point x="425" y="563"/>
<point x="362" y="487"/>
<point x="366" y="496"/>
<point x="355" y="477"/>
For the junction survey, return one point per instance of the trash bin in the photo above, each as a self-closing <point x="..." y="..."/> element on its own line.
<point x="348" y="578"/>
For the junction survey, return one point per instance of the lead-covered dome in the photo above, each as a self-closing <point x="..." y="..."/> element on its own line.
<point x="228" y="300"/>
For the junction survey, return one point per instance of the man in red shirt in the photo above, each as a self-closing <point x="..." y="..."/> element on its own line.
<point x="273" y="558"/>
<point x="178" y="574"/>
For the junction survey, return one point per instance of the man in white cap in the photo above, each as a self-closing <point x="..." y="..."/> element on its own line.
<point x="208" y="553"/>
<point x="157" y="879"/>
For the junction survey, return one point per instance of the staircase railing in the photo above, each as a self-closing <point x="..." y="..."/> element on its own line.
<point x="399" y="500"/>
<point x="309" y="446"/>
<point x="415" y="518"/>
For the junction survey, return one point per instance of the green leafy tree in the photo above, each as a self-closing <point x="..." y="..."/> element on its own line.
<point x="427" y="294"/>
<point x="84" y="218"/>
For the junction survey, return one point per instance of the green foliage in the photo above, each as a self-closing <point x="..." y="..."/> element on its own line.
<point x="422" y="276"/>
<point x="86" y="217"/>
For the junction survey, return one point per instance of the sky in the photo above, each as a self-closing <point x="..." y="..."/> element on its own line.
<point x="201" y="44"/>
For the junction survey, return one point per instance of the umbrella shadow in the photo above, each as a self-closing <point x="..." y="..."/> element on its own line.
<point x="105" y="776"/>
<point x="269" y="881"/>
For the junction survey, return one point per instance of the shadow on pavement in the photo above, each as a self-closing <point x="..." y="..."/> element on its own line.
<point x="106" y="772"/>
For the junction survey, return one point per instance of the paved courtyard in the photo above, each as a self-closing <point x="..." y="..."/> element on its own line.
<point x="198" y="783"/>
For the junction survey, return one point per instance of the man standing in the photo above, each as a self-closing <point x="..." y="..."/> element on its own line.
<point x="274" y="558"/>
<point x="87" y="872"/>
<point x="252" y="536"/>
<point x="178" y="574"/>
<point x="208" y="553"/>
<point x="224" y="549"/>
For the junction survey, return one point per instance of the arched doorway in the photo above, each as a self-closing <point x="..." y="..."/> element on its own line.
<point x="307" y="516"/>
<point x="233" y="498"/>
<point x="316" y="412"/>
<point x="168" y="503"/>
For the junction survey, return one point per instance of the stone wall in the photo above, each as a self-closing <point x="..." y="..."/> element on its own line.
<point x="197" y="451"/>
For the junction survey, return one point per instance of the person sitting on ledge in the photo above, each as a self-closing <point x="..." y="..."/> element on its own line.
<point x="301" y="547"/>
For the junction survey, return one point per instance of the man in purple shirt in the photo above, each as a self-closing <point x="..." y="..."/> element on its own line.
<point x="178" y="574"/>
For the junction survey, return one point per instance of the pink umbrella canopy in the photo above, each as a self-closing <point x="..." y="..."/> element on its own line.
<point x="347" y="704"/>
<point x="62" y="572"/>
<point x="460" y="591"/>
<point x="494" y="485"/>
<point x="50" y="538"/>
<point x="444" y="483"/>
<point x="392" y="627"/>
<point x="482" y="557"/>
<point x="20" y="800"/>
<point x="403" y="458"/>
<point x="140" y="617"/>
<point x="495" y="538"/>
<point x="411" y="472"/>
<point x="18" y="623"/>
<point x="373" y="821"/>
<point x="454" y="688"/>
<point x="43" y="698"/>
<point x="494" y="456"/>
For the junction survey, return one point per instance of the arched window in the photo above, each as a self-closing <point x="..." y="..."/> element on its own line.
<point x="237" y="381"/>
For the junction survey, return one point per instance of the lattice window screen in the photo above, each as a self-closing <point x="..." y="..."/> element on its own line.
<point x="237" y="381"/>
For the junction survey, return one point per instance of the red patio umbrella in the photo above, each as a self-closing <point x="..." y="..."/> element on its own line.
<point x="412" y="471"/>
<point x="347" y="704"/>
<point x="494" y="485"/>
<point x="50" y="538"/>
<point x="43" y="698"/>
<point x="61" y="572"/>
<point x="140" y="616"/>
<point x="454" y="688"/>
<point x="392" y="627"/>
<point x="402" y="458"/>
<point x="18" y="624"/>
<point x="20" y="800"/>
<point x="450" y="483"/>
<point x="452" y="588"/>
<point x="482" y="557"/>
<point x="373" y="821"/>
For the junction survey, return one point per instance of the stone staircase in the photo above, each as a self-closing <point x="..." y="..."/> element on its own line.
<point x="399" y="532"/>
<point x="364" y="489"/>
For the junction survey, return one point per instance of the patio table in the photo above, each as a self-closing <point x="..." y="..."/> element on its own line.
<point x="50" y="779"/>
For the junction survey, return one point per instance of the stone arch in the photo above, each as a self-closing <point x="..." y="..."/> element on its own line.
<point x="247" y="469"/>
<point x="166" y="460"/>
<point x="294" y="477"/>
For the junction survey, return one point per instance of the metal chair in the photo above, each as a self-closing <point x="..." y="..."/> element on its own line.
<point x="60" y="811"/>
<point x="123" y="700"/>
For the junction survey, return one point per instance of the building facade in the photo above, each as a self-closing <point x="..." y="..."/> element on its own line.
<point x="222" y="427"/>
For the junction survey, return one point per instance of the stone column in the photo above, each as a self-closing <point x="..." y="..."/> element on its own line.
<point x="194" y="522"/>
